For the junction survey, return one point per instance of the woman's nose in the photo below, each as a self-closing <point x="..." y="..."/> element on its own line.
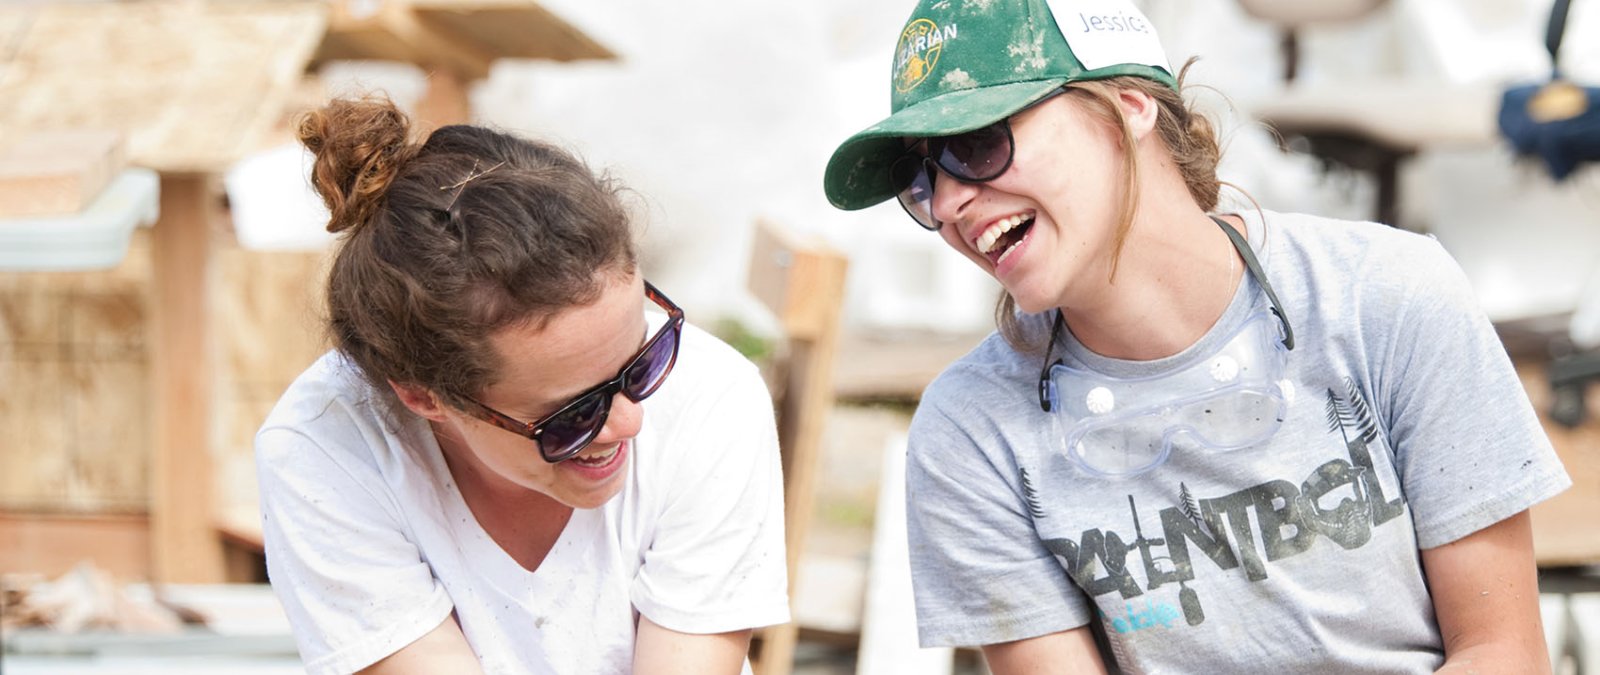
<point x="950" y="197"/>
<point x="623" y="422"/>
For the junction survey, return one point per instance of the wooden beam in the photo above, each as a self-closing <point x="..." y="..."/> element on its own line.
<point x="445" y="101"/>
<point x="185" y="545"/>
<point x="51" y="544"/>
<point x="57" y="173"/>
<point x="516" y="29"/>
<point x="434" y="42"/>
<point x="800" y="281"/>
<point x="397" y="31"/>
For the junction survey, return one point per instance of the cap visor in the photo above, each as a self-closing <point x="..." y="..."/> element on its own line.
<point x="858" y="173"/>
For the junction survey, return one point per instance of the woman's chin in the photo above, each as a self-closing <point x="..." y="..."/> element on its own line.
<point x="1030" y="302"/>
<point x="588" y="488"/>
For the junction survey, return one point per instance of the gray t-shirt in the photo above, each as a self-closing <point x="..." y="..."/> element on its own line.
<point x="1406" y="429"/>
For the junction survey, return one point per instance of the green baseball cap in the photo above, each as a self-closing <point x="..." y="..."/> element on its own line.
<point x="965" y="64"/>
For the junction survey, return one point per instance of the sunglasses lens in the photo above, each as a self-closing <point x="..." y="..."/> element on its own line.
<point x="914" y="189"/>
<point x="981" y="154"/>
<point x="569" y="432"/>
<point x="650" y="370"/>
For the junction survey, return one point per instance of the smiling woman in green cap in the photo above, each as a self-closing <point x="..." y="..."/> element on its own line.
<point x="1202" y="440"/>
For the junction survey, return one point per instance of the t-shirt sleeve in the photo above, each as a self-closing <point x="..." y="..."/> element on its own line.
<point x="979" y="572"/>
<point x="354" y="587"/>
<point x="1469" y="446"/>
<point x="716" y="562"/>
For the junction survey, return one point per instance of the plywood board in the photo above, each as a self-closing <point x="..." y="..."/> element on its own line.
<point x="189" y="83"/>
<point x="269" y="318"/>
<point x="73" y="389"/>
<point x="32" y="465"/>
<point x="270" y="312"/>
<point x="76" y="436"/>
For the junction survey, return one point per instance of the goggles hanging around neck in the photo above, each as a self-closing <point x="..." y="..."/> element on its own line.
<point x="1230" y="399"/>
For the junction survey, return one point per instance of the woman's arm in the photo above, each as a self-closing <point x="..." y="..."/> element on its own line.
<point x="1486" y="596"/>
<point x="662" y="651"/>
<point x="442" y="650"/>
<point x="1071" y="651"/>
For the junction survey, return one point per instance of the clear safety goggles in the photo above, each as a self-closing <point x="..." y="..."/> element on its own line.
<point x="1233" y="398"/>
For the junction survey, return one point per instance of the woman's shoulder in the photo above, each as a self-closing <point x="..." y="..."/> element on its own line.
<point x="331" y="409"/>
<point x="1363" y="275"/>
<point x="1353" y="243"/>
<point x="705" y="361"/>
<point x="1331" y="258"/>
<point x="706" y="350"/>
<point x="995" y="371"/>
<point x="706" y="372"/>
<point x="331" y="384"/>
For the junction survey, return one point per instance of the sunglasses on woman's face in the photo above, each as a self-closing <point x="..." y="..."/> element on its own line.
<point x="975" y="156"/>
<point x="567" y="431"/>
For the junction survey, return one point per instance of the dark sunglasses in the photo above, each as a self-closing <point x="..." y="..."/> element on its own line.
<point x="975" y="156"/>
<point x="567" y="431"/>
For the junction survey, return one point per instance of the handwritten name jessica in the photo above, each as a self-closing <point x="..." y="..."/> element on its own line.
<point x="1116" y="23"/>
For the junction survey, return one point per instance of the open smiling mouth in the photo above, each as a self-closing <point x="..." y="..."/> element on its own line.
<point x="1003" y="238"/>
<point x="599" y="460"/>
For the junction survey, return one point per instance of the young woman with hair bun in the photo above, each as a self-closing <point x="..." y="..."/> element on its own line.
<point x="518" y="457"/>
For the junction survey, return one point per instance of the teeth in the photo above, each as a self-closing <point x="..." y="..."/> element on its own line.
<point x="599" y="459"/>
<point x="987" y="240"/>
<point x="1006" y="254"/>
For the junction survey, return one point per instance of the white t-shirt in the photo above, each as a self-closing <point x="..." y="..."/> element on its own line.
<point x="370" y="544"/>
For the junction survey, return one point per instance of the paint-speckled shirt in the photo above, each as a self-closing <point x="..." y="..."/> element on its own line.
<point x="370" y="544"/>
<point x="1406" y="429"/>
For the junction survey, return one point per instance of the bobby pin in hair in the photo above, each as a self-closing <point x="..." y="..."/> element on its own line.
<point x="461" y="185"/>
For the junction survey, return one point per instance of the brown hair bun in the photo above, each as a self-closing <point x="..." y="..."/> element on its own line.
<point x="360" y="145"/>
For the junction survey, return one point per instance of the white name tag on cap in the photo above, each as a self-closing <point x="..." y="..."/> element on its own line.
<point x="1108" y="33"/>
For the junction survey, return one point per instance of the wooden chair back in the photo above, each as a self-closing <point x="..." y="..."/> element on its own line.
<point x="802" y="282"/>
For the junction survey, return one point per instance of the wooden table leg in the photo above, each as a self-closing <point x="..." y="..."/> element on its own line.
<point x="184" y="545"/>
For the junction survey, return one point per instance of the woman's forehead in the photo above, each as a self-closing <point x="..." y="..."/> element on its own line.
<point x="572" y="350"/>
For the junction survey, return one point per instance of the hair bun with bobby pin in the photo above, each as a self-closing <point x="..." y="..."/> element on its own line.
<point x="360" y="146"/>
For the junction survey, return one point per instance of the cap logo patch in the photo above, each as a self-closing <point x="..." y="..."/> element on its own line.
<point x="918" y="52"/>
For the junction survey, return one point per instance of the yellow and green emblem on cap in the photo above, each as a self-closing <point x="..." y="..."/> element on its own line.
<point x="964" y="64"/>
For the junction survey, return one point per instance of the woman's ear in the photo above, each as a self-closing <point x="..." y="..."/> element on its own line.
<point x="419" y="400"/>
<point x="1140" y="110"/>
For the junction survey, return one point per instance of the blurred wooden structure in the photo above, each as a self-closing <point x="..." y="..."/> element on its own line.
<point x="1372" y="124"/>
<point x="57" y="173"/>
<point x="802" y="283"/>
<point x="128" y="396"/>
<point x="1564" y="530"/>
<point x="455" y="41"/>
<point x="191" y="87"/>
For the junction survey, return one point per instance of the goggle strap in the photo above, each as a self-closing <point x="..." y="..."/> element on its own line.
<point x="1260" y="276"/>
<point x="1047" y="388"/>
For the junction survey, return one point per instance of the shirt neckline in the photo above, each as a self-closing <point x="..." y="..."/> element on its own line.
<point x="1244" y="303"/>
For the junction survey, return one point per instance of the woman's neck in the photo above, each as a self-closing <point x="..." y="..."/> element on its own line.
<point x="524" y="522"/>
<point x="1177" y="275"/>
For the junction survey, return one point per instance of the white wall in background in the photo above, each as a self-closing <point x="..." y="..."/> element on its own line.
<point x="272" y="204"/>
